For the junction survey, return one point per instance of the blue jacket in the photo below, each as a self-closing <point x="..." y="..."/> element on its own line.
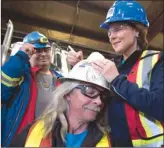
<point x="150" y="102"/>
<point x="16" y="80"/>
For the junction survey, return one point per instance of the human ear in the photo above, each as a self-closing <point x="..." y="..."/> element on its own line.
<point x="67" y="97"/>
<point x="137" y="34"/>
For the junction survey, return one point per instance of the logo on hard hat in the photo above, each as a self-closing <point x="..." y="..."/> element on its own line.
<point x="92" y="75"/>
<point x="84" y="64"/>
<point x="43" y="40"/>
<point x="110" y="12"/>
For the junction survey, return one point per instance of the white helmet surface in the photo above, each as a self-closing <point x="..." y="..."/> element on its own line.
<point x="84" y="72"/>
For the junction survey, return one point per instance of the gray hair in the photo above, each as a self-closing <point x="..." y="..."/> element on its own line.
<point x="58" y="106"/>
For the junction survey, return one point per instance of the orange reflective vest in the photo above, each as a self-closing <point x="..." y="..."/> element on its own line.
<point x="138" y="122"/>
<point x="35" y="137"/>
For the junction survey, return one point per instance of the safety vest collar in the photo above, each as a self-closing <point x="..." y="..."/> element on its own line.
<point x="36" y="138"/>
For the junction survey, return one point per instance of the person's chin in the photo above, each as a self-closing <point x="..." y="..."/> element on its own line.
<point x="91" y="118"/>
<point x="44" y="64"/>
<point x="119" y="50"/>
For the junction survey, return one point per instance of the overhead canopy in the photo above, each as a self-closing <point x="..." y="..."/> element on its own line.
<point x="75" y="22"/>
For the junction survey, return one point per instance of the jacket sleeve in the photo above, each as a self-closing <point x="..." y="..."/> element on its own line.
<point x="20" y="139"/>
<point x="150" y="101"/>
<point x="12" y="74"/>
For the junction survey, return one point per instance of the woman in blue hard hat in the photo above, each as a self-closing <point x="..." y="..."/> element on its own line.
<point x="136" y="115"/>
<point x="26" y="91"/>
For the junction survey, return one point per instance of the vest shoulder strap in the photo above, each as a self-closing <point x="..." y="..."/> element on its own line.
<point x="35" y="135"/>
<point x="104" y="142"/>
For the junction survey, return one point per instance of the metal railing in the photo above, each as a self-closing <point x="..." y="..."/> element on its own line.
<point x="6" y="42"/>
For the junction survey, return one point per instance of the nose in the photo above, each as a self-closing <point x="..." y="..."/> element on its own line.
<point x="111" y="36"/>
<point x="97" y="100"/>
<point x="43" y="53"/>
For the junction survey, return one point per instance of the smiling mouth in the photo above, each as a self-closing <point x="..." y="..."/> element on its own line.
<point x="43" y="60"/>
<point x="116" y="43"/>
<point x="97" y="109"/>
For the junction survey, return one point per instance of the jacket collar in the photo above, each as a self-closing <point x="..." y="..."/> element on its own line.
<point x="34" y="70"/>
<point x="131" y="59"/>
<point x="93" y="137"/>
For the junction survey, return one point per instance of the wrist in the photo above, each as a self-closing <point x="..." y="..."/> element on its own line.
<point x="110" y="80"/>
<point x="26" y="52"/>
<point x="118" y="78"/>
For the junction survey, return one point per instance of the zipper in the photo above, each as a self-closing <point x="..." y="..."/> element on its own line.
<point x="117" y="92"/>
<point x="16" y="118"/>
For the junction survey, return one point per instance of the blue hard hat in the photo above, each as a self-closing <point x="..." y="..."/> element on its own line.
<point x="125" y="11"/>
<point x="37" y="39"/>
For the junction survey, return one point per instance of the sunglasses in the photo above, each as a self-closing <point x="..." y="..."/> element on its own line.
<point x="92" y="92"/>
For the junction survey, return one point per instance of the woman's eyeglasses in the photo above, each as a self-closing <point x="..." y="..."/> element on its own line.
<point x="117" y="29"/>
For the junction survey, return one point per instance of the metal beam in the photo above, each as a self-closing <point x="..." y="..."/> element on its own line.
<point x="17" y="17"/>
<point x="85" y="6"/>
<point x="18" y="36"/>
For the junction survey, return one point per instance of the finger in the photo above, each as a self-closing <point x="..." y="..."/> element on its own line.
<point x="72" y="53"/>
<point x="70" y="56"/>
<point x="100" y="64"/>
<point x="95" y="66"/>
<point x="106" y="61"/>
<point x="80" y="55"/>
<point x="34" y="51"/>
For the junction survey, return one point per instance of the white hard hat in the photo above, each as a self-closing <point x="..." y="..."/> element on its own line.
<point x="84" y="72"/>
<point x="95" y="56"/>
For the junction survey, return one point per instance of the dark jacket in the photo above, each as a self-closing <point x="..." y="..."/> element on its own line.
<point x="93" y="137"/>
<point x="150" y="102"/>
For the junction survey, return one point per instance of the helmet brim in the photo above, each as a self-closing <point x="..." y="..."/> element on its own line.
<point x="38" y="45"/>
<point x="63" y="79"/>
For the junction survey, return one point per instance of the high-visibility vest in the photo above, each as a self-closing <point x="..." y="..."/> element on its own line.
<point x="138" y="122"/>
<point x="35" y="137"/>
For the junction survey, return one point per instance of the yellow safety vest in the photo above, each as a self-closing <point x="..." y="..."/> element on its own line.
<point x="151" y="128"/>
<point x="35" y="137"/>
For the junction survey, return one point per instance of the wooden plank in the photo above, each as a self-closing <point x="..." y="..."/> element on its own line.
<point x="156" y="27"/>
<point x="55" y="25"/>
<point x="85" y="6"/>
<point x="154" y="10"/>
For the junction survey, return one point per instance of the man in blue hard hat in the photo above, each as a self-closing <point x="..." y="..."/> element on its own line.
<point x="136" y="115"/>
<point x="26" y="90"/>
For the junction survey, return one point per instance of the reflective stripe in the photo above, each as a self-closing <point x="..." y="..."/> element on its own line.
<point x="139" y="72"/>
<point x="156" y="142"/>
<point x="9" y="78"/>
<point x="104" y="142"/>
<point x="154" y="61"/>
<point x="152" y="127"/>
<point x="10" y="82"/>
<point x="36" y="133"/>
<point x="146" y="67"/>
<point x="144" y="123"/>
